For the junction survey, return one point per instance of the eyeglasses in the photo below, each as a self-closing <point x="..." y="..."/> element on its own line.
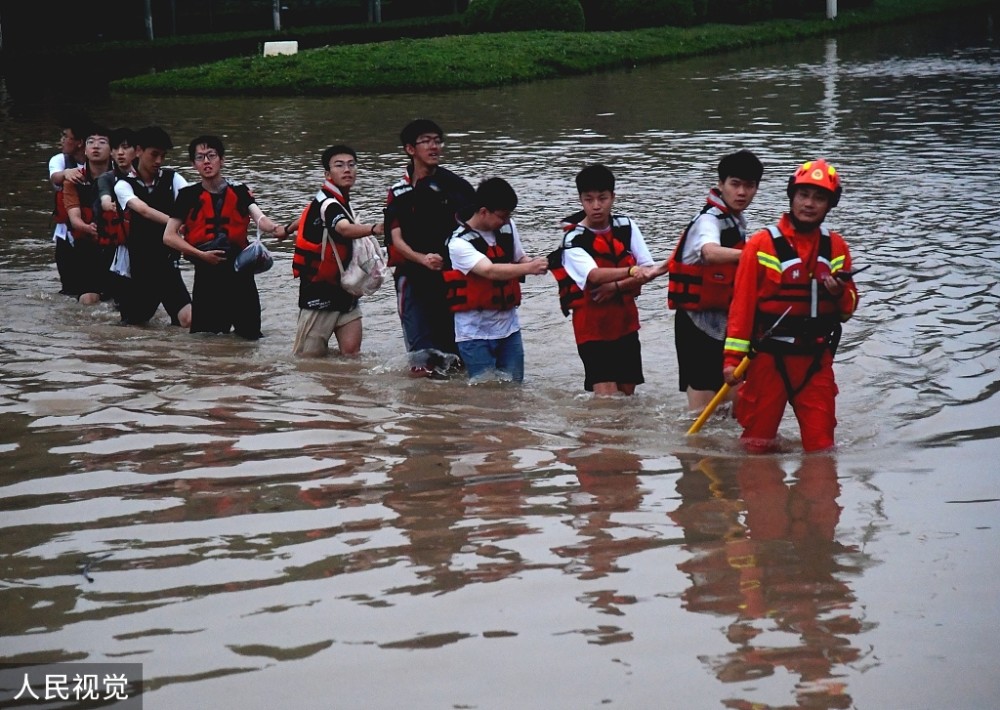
<point x="341" y="165"/>
<point x="204" y="157"/>
<point x="98" y="141"/>
<point x="438" y="141"/>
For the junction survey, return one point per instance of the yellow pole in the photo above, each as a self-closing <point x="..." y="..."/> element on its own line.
<point x="719" y="396"/>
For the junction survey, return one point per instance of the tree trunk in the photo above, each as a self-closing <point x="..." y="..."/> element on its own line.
<point x="276" y="11"/>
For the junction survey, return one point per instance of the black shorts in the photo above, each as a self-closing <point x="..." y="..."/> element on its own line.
<point x="173" y="291"/>
<point x="93" y="268"/>
<point x="699" y="356"/>
<point x="153" y="282"/>
<point x="618" y="361"/>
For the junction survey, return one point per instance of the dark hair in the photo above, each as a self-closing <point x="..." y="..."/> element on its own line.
<point x="496" y="194"/>
<point x="96" y="129"/>
<point x="153" y="137"/>
<point x="122" y="135"/>
<point x="339" y="149"/>
<point x="77" y="122"/>
<point x="416" y="128"/>
<point x="743" y="165"/>
<point x="596" y="178"/>
<point x="213" y="142"/>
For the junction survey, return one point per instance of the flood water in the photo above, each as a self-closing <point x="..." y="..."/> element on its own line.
<point x="259" y="531"/>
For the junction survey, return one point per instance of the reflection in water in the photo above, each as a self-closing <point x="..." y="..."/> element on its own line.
<point x="765" y="553"/>
<point x="829" y="105"/>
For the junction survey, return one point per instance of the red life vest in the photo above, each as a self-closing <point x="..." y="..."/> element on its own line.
<point x="813" y="323"/>
<point x="231" y="220"/>
<point x="112" y="225"/>
<point x="313" y="258"/>
<point x="469" y="292"/>
<point x="615" y="253"/>
<point x="705" y="287"/>
<point x="59" y="214"/>
<point x="611" y="319"/>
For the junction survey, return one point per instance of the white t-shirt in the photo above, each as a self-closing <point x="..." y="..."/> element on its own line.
<point x="125" y="192"/>
<point x="578" y="263"/>
<point x="57" y="163"/>
<point x="707" y="229"/>
<point x="482" y="325"/>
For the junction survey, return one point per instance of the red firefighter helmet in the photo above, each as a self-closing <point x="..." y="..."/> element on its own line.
<point x="817" y="173"/>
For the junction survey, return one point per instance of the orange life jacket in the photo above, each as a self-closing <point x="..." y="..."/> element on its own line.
<point x="313" y="258"/>
<point x="469" y="292"/>
<point x="112" y="225"/>
<point x="605" y="254"/>
<point x="59" y="214"/>
<point x="813" y="323"/>
<point x="231" y="220"/>
<point x="705" y="287"/>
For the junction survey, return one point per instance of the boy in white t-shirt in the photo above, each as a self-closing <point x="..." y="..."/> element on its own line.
<point x="484" y="284"/>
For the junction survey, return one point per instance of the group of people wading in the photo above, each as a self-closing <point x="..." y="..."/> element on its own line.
<point x="760" y="313"/>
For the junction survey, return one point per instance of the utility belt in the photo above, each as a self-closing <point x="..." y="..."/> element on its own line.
<point x="798" y="335"/>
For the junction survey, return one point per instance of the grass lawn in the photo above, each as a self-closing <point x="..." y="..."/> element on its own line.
<point x="479" y="60"/>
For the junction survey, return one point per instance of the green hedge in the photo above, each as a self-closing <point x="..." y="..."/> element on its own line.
<point x="634" y="14"/>
<point x="522" y="15"/>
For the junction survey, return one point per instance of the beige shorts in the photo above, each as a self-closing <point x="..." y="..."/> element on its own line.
<point x="321" y="324"/>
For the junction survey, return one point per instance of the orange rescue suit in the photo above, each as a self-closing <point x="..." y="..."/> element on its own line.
<point x="780" y="270"/>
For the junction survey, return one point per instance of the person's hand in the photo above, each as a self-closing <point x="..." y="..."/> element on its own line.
<point x="645" y="274"/>
<point x="73" y="175"/>
<point x="434" y="262"/>
<point x="280" y="232"/>
<point x="729" y="375"/>
<point x="833" y="285"/>
<point x="604" y="292"/>
<point x="213" y="257"/>
<point x="538" y="266"/>
<point x="378" y="229"/>
<point x="90" y="230"/>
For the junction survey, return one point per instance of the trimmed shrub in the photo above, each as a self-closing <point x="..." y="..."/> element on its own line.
<point x="633" y="14"/>
<point x="739" y="12"/>
<point x="519" y="15"/>
<point x="477" y="16"/>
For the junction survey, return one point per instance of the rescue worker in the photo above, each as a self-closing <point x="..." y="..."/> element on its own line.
<point x="702" y="269"/>
<point x="484" y="284"/>
<point x="792" y="292"/>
